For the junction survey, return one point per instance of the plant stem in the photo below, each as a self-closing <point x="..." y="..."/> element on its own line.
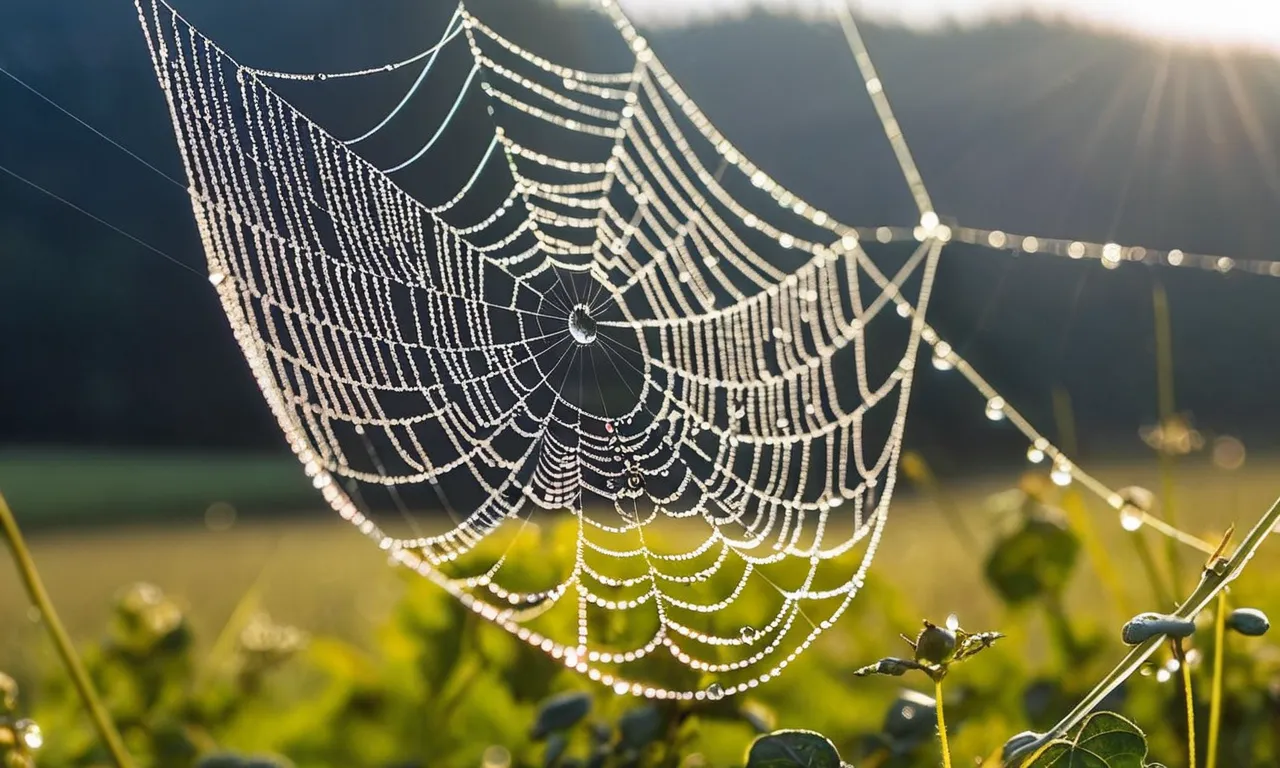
<point x="1149" y="566"/>
<point x="942" y="724"/>
<point x="1191" y="707"/>
<point x="61" y="641"/>
<point x="1215" y="700"/>
<point x="1165" y="403"/>
<point x="1212" y="581"/>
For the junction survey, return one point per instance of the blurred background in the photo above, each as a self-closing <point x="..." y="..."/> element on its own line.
<point x="134" y="444"/>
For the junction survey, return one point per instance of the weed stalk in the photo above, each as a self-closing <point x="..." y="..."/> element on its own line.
<point x="942" y="723"/>
<point x="1181" y="656"/>
<point x="1165" y="401"/>
<point x="1215" y="696"/>
<point x="62" y="642"/>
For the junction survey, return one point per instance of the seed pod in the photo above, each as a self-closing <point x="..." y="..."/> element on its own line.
<point x="1145" y="626"/>
<point x="1017" y="742"/>
<point x="892" y="666"/>
<point x="1248" y="621"/>
<point x="935" y="645"/>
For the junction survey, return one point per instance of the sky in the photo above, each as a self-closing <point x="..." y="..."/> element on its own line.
<point x="1254" y="23"/>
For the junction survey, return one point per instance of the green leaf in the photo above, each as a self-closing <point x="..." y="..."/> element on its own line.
<point x="639" y="727"/>
<point x="793" y="749"/>
<point x="561" y="712"/>
<point x="1105" y="740"/>
<point x="557" y="743"/>
<point x="1063" y="754"/>
<point x="1034" y="561"/>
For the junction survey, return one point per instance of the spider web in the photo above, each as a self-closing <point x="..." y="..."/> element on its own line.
<point x="643" y="327"/>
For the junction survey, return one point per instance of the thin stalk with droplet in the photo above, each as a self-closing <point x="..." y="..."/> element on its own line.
<point x="61" y="640"/>
<point x="1191" y="702"/>
<point x="1165" y="398"/>
<point x="1215" y="696"/>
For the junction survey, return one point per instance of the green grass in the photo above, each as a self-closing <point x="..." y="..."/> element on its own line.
<point x="61" y="487"/>
<point x="318" y="574"/>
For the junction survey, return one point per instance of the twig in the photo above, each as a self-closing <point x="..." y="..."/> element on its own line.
<point x="61" y="641"/>
<point x="1164" y="386"/>
<point x="1215" y="697"/>
<point x="1215" y="577"/>
<point x="1191" y="702"/>
<point x="942" y="724"/>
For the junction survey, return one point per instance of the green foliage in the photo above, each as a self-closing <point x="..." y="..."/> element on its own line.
<point x="793" y="749"/>
<point x="1034" y="561"/>
<point x="437" y="687"/>
<point x="1104" y="740"/>
<point x="560" y="713"/>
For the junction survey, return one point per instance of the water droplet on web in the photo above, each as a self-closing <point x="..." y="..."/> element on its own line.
<point x="749" y="634"/>
<point x="216" y="278"/>
<point x="995" y="409"/>
<point x="608" y="427"/>
<point x="1061" y="474"/>
<point x="1130" y="518"/>
<point x="582" y="327"/>
<point x="715" y="692"/>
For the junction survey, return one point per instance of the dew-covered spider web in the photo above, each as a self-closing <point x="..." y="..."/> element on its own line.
<point x="642" y="383"/>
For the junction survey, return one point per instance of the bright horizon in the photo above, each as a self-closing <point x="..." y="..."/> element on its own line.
<point x="1252" y="23"/>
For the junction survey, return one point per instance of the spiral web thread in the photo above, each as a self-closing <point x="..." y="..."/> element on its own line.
<point x="645" y="327"/>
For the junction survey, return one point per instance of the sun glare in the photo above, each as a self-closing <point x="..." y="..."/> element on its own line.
<point x="1251" y="23"/>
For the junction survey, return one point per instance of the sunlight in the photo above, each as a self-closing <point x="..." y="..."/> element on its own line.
<point x="1213" y="22"/>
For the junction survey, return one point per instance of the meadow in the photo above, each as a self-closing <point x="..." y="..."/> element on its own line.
<point x="294" y="637"/>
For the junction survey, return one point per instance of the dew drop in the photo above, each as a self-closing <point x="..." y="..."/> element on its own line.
<point x="1035" y="455"/>
<point x="995" y="409"/>
<point x="30" y="733"/>
<point x="715" y="692"/>
<point x="582" y="326"/>
<point x="1061" y="474"/>
<point x="1130" y="518"/>
<point x="749" y="634"/>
